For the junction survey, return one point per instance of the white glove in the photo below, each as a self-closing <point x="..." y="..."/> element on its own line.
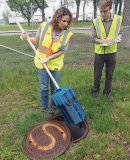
<point x="43" y="61"/>
<point x="24" y="36"/>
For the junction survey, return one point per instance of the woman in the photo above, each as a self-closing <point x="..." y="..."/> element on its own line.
<point x="52" y="40"/>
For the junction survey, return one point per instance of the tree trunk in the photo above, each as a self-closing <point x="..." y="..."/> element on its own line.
<point x="61" y="4"/>
<point x="43" y="13"/>
<point x="77" y="11"/>
<point x="28" y="22"/>
<point x="120" y="7"/>
<point x="95" y="8"/>
<point x="84" y="11"/>
<point x="126" y="24"/>
<point x="116" y="5"/>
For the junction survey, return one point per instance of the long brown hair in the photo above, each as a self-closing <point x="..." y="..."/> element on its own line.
<point x="58" y="15"/>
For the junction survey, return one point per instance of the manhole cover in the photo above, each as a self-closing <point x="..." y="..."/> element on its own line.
<point x="46" y="140"/>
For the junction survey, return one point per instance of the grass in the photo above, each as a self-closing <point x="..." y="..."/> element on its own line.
<point x="81" y="24"/>
<point x="35" y="26"/>
<point x="15" y="27"/>
<point x="109" y="123"/>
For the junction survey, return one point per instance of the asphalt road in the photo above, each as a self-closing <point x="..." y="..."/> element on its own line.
<point x="75" y="30"/>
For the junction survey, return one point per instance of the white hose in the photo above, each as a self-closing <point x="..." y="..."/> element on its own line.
<point x="16" y="51"/>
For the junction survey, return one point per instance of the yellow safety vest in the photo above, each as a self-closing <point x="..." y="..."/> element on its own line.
<point x="101" y="34"/>
<point x="47" y="47"/>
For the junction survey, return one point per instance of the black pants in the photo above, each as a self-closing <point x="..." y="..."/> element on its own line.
<point x="110" y="62"/>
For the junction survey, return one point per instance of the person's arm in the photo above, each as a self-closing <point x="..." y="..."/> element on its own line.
<point x="62" y="50"/>
<point x="93" y="33"/>
<point x="97" y="40"/>
<point x="54" y="55"/>
<point x="34" y="40"/>
<point x="119" y="37"/>
<point x="24" y="37"/>
<point x="94" y="37"/>
<point x="65" y="48"/>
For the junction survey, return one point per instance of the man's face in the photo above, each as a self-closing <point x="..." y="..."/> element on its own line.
<point x="105" y="12"/>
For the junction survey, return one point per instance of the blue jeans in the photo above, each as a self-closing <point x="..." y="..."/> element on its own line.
<point x="44" y="79"/>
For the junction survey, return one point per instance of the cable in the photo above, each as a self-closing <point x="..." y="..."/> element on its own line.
<point x="16" y="50"/>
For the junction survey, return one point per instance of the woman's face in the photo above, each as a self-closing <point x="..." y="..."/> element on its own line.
<point x="63" y="22"/>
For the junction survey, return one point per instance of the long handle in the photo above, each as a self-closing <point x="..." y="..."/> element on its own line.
<point x="29" y="41"/>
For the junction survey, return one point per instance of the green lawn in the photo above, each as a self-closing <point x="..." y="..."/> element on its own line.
<point x="15" y="27"/>
<point x="35" y="26"/>
<point x="109" y="123"/>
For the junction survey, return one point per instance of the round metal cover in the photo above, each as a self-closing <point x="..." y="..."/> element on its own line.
<point x="46" y="140"/>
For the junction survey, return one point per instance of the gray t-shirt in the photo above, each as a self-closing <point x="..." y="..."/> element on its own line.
<point x="55" y="36"/>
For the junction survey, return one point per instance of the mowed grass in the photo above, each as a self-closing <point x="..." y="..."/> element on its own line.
<point x="109" y="123"/>
<point x="15" y="27"/>
<point x="35" y="26"/>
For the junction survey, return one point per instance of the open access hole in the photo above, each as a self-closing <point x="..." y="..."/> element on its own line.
<point x="78" y="131"/>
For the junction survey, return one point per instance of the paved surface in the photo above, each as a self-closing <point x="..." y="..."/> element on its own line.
<point x="17" y="32"/>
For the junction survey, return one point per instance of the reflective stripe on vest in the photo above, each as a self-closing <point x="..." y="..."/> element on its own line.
<point x="43" y="33"/>
<point x="101" y="34"/>
<point x="118" y="25"/>
<point x="46" y="47"/>
<point x="46" y="50"/>
<point x="64" y="38"/>
<point x="40" y="48"/>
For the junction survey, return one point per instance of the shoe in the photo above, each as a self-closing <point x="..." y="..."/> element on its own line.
<point x="47" y="111"/>
<point x="95" y="94"/>
<point x="109" y="97"/>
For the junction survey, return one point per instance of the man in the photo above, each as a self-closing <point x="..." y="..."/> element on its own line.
<point x="105" y="34"/>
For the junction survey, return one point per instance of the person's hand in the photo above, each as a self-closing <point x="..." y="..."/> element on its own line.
<point x="118" y="39"/>
<point x="100" y="41"/>
<point x="108" y="40"/>
<point x="24" y="36"/>
<point x="104" y="41"/>
<point x="45" y="60"/>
